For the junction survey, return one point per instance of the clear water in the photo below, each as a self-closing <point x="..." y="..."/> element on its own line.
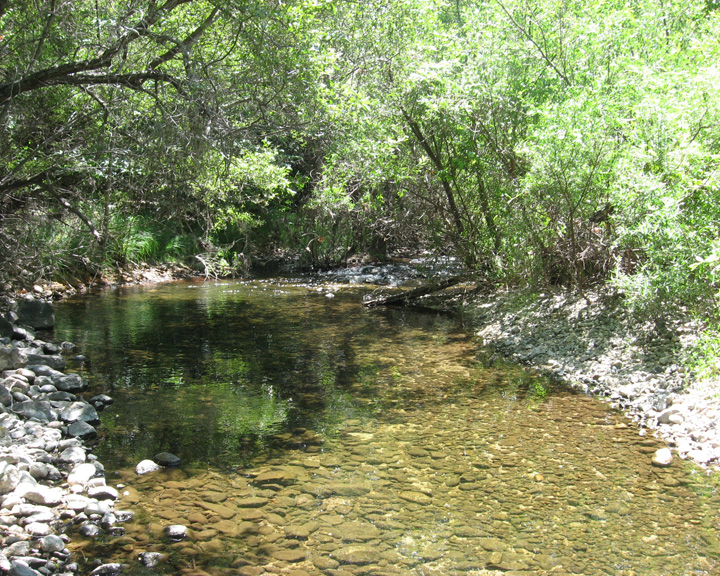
<point x="320" y="437"/>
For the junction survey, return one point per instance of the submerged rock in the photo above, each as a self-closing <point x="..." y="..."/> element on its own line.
<point x="662" y="458"/>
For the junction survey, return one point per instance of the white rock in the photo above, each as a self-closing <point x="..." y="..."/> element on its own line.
<point x="146" y="466"/>
<point x="44" y="495"/>
<point x="81" y="474"/>
<point x="76" y="502"/>
<point x="74" y="454"/>
<point x="38" y="529"/>
<point x="663" y="458"/>
<point x="9" y="477"/>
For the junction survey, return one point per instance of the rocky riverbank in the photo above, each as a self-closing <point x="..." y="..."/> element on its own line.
<point x="50" y="482"/>
<point x="594" y="344"/>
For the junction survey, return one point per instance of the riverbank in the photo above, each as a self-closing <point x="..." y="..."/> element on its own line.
<point x="594" y="344"/>
<point x="51" y="484"/>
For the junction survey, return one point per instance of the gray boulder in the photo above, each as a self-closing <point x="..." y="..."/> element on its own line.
<point x="166" y="459"/>
<point x="82" y="430"/>
<point x="56" y="362"/>
<point x="38" y="314"/>
<point x="41" y="410"/>
<point x="71" y="383"/>
<point x="80" y="411"/>
<point x="12" y="358"/>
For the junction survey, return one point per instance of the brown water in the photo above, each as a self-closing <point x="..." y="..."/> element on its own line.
<point x="322" y="438"/>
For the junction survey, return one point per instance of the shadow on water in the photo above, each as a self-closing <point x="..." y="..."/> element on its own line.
<point x="322" y="437"/>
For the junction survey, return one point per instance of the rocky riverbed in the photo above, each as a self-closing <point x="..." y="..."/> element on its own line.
<point x="50" y="482"/>
<point x="595" y="345"/>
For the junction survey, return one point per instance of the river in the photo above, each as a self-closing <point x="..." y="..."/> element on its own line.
<point x="320" y="437"/>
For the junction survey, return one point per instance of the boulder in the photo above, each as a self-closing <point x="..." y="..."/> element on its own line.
<point x="41" y="410"/>
<point x="82" y="430"/>
<point x="168" y="460"/>
<point x="38" y="314"/>
<point x="10" y="477"/>
<point x="81" y="474"/>
<point x="44" y="495"/>
<point x="71" y="383"/>
<point x="12" y="358"/>
<point x="103" y="493"/>
<point x="80" y="411"/>
<point x="54" y="362"/>
<point x="146" y="466"/>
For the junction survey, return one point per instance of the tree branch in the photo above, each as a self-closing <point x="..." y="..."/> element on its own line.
<point x="182" y="46"/>
<point x="64" y="73"/>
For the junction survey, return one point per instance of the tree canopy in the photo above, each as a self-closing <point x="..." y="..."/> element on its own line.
<point x="552" y="142"/>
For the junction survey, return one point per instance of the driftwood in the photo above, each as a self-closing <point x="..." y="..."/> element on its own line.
<point x="407" y="295"/>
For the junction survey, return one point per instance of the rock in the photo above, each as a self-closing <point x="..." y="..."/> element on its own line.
<point x="80" y="411"/>
<point x="357" y="554"/>
<point x="52" y="544"/>
<point x="73" y="455"/>
<point x="55" y="362"/>
<point x="168" y="460"/>
<point x="147" y="466"/>
<point x="6" y="398"/>
<point x="38" y="314"/>
<point x="415" y="497"/>
<point x="150" y="559"/>
<point x="18" y="568"/>
<point x="71" y="383"/>
<point x="669" y="416"/>
<point x="6" y="327"/>
<point x="176" y="532"/>
<point x="103" y="493"/>
<point x="9" y="478"/>
<point x="101" y="401"/>
<point x="38" y="529"/>
<point x="90" y="530"/>
<point x="662" y="458"/>
<point x="11" y="358"/>
<point x="81" y="474"/>
<point x="47" y="371"/>
<point x="82" y="430"/>
<point x="44" y="495"/>
<point x="112" y="569"/>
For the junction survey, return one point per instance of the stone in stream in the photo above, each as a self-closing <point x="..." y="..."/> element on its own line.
<point x="150" y="559"/>
<point x="112" y="569"/>
<point x="147" y="466"/>
<point x="82" y="430"/>
<point x="38" y="314"/>
<point x="80" y="412"/>
<point x="176" y="532"/>
<point x="356" y="554"/>
<point x="662" y="458"/>
<point x="167" y="460"/>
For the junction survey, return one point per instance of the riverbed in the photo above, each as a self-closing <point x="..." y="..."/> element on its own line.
<point x="320" y="437"/>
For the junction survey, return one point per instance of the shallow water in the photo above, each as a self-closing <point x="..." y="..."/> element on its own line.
<point x="319" y="437"/>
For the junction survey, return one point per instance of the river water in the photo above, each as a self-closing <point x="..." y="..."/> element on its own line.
<point x="319" y="437"/>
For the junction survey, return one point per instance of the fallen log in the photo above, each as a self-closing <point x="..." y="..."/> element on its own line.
<point x="407" y="295"/>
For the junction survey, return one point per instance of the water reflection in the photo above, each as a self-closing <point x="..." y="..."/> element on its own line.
<point x="325" y="438"/>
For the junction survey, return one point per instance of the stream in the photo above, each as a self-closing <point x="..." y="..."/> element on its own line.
<point x="320" y="437"/>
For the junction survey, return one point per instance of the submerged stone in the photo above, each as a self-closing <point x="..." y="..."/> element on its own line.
<point x="662" y="458"/>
